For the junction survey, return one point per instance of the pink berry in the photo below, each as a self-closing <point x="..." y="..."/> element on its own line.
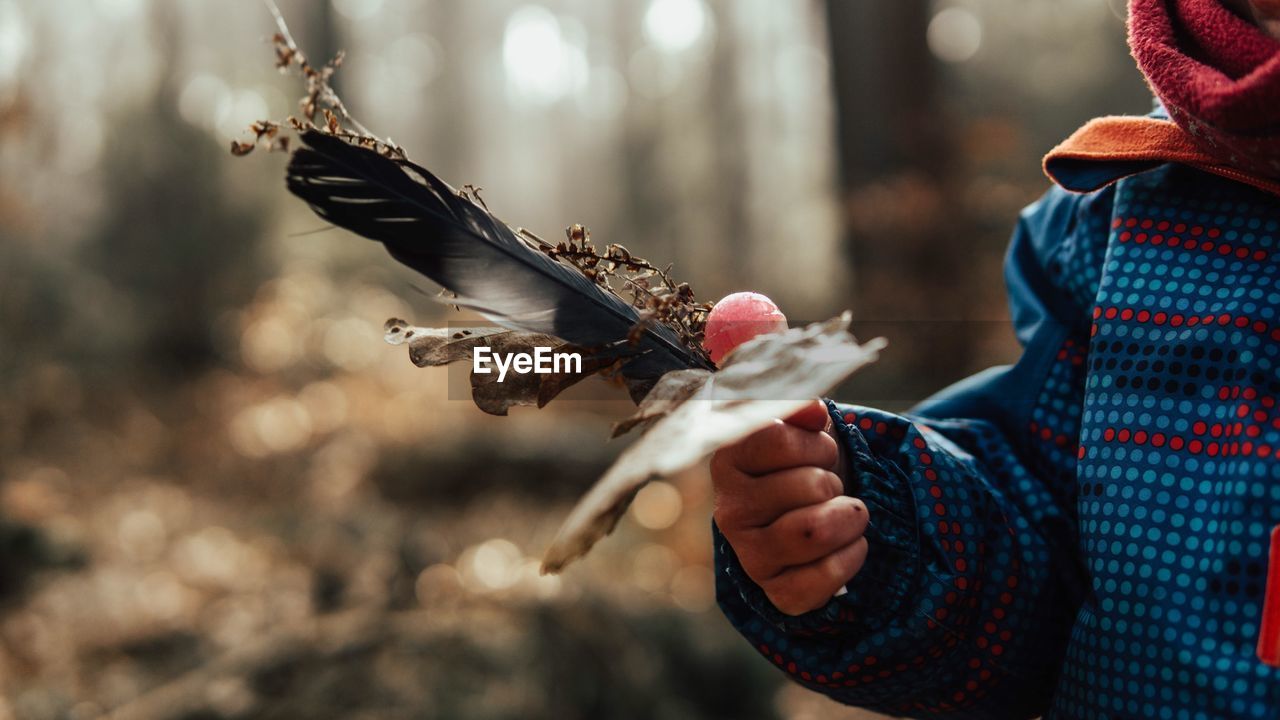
<point x="736" y="319"/>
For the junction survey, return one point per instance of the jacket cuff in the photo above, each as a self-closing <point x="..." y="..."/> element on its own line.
<point x="891" y="573"/>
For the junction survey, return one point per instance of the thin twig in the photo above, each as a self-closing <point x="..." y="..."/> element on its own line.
<point x="326" y="93"/>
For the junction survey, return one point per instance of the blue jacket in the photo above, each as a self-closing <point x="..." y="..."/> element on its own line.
<point x="1083" y="534"/>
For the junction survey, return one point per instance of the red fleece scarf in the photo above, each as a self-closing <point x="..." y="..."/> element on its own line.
<point x="1217" y="74"/>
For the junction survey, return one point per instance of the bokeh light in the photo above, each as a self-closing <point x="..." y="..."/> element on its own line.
<point x="955" y="34"/>
<point x="541" y="62"/>
<point x="674" y="26"/>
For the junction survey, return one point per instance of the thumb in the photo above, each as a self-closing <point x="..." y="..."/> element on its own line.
<point x="813" y="416"/>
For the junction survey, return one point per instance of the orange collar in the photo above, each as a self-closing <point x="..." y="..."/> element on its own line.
<point x="1109" y="148"/>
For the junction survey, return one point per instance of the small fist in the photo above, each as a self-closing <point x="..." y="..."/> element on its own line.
<point x="780" y="502"/>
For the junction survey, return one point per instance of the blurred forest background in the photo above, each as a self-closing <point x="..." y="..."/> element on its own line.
<point x="221" y="496"/>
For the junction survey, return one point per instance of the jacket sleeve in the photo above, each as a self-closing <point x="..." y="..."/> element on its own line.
<point x="972" y="580"/>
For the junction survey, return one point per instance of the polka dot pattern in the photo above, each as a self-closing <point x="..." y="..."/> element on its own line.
<point x="1179" y="486"/>
<point x="1101" y="551"/>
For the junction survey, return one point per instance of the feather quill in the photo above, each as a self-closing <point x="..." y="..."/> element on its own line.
<point x="427" y="225"/>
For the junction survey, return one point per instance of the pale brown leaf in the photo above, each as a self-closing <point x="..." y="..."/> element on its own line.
<point x="668" y="394"/>
<point x="766" y="378"/>
<point x="431" y="347"/>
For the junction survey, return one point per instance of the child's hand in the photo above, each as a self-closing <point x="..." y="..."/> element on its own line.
<point x="780" y="502"/>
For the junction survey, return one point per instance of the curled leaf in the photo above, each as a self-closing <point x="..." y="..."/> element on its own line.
<point x="768" y="377"/>
<point x="671" y="391"/>
<point x="431" y="347"/>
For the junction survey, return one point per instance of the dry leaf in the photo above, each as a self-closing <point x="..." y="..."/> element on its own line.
<point x="766" y="378"/>
<point x="430" y="347"/>
<point x="668" y="394"/>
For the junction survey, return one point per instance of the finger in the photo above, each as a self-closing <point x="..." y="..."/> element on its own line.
<point x="754" y="502"/>
<point x="802" y="536"/>
<point x="781" y="446"/>
<point x="813" y="416"/>
<point x="802" y="589"/>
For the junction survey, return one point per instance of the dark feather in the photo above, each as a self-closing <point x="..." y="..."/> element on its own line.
<point x="427" y="225"/>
